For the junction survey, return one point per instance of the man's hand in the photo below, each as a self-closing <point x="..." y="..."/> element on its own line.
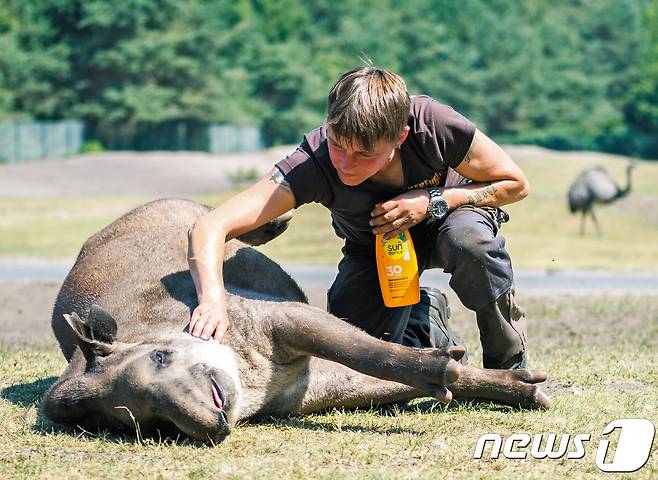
<point x="209" y="319"/>
<point x="400" y="213"/>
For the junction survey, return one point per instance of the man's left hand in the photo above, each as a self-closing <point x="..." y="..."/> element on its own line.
<point x="399" y="213"/>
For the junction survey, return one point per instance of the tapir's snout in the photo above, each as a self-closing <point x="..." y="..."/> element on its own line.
<point x="199" y="402"/>
<point x="202" y="395"/>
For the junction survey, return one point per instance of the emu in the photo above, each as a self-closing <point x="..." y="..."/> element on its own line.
<point x="595" y="185"/>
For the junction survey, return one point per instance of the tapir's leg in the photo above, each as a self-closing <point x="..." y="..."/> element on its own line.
<point x="511" y="387"/>
<point x="330" y="385"/>
<point x="305" y="330"/>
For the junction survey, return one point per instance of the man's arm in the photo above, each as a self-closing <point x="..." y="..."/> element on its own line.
<point x="496" y="181"/>
<point x="255" y="206"/>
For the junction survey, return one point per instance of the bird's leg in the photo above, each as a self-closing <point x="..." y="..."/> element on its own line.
<point x="582" y="222"/>
<point x="596" y="222"/>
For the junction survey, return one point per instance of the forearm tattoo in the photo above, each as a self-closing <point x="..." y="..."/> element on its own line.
<point x="467" y="158"/>
<point x="277" y="178"/>
<point x="477" y="197"/>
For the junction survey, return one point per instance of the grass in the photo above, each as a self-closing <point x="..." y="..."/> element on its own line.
<point x="541" y="234"/>
<point x="601" y="353"/>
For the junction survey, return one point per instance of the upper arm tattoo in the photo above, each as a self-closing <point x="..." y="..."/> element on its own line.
<point x="467" y="157"/>
<point x="277" y="178"/>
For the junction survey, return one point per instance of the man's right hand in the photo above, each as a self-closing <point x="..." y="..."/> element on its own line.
<point x="209" y="319"/>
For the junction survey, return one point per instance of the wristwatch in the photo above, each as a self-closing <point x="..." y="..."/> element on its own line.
<point x="438" y="207"/>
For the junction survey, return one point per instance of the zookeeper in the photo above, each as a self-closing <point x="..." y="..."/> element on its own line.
<point x="383" y="162"/>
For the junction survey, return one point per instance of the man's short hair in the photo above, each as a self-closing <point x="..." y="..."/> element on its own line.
<point x="366" y="105"/>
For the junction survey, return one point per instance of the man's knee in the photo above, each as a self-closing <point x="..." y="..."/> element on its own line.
<point x="469" y="243"/>
<point x="469" y="249"/>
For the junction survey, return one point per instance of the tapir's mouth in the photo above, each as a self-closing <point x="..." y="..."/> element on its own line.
<point x="217" y="394"/>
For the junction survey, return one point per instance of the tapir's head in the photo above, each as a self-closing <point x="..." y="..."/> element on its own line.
<point x="172" y="384"/>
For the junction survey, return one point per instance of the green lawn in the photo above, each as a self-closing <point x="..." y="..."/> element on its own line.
<point x="601" y="353"/>
<point x="542" y="234"/>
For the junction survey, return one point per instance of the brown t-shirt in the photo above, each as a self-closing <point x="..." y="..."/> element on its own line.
<point x="438" y="139"/>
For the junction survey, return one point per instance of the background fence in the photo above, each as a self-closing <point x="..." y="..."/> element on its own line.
<point x="42" y="140"/>
<point x="184" y="135"/>
<point x="230" y="139"/>
<point x="39" y="140"/>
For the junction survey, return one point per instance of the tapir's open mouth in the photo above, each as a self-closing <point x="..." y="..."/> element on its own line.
<point x="217" y="394"/>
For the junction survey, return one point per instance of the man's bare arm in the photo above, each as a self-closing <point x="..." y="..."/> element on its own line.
<point x="255" y="206"/>
<point x="496" y="179"/>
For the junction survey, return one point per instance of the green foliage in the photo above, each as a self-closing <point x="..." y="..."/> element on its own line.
<point x="92" y="146"/>
<point x="642" y="107"/>
<point x="563" y="74"/>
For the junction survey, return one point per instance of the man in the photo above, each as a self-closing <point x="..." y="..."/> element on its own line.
<point x="384" y="162"/>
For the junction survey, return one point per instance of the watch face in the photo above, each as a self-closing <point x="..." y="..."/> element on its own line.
<point x="439" y="208"/>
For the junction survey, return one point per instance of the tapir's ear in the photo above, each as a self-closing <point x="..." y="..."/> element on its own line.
<point x="96" y="336"/>
<point x="103" y="327"/>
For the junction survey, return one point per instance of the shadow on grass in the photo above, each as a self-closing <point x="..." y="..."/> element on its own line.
<point x="27" y="394"/>
<point x="430" y="406"/>
<point x="312" y="423"/>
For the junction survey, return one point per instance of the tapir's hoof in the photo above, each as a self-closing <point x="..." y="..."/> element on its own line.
<point x="453" y="369"/>
<point x="457" y="352"/>
<point x="443" y="395"/>
<point x="542" y="400"/>
<point x="529" y="394"/>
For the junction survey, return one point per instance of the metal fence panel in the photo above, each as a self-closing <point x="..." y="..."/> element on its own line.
<point x="7" y="151"/>
<point x="21" y="142"/>
<point x="231" y="139"/>
<point x="29" y="141"/>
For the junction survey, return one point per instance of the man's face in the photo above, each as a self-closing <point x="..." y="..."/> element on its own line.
<point x="353" y="164"/>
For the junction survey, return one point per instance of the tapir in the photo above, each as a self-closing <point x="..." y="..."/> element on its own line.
<point x="121" y="321"/>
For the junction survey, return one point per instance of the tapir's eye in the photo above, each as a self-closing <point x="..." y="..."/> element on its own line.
<point x="159" y="358"/>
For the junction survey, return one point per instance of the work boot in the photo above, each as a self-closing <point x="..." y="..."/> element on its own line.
<point x="428" y="323"/>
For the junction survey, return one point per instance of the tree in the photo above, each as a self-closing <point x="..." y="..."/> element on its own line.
<point x="641" y="110"/>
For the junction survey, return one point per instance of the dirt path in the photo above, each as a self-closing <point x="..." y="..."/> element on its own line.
<point x="25" y="310"/>
<point x="166" y="174"/>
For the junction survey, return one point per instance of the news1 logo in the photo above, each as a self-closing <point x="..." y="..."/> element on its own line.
<point x="633" y="447"/>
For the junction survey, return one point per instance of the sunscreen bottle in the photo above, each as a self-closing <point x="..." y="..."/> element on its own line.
<point x="397" y="268"/>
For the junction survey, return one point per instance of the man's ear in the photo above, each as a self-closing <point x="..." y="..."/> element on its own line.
<point x="96" y="336"/>
<point x="402" y="137"/>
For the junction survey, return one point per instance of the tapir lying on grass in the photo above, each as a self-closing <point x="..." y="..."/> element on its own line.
<point x="121" y="316"/>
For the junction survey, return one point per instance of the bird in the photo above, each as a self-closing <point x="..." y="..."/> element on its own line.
<point x="593" y="186"/>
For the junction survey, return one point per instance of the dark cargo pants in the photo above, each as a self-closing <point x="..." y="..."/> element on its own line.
<point x="466" y="245"/>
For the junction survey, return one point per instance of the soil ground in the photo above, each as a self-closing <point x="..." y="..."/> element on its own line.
<point x="159" y="174"/>
<point x="167" y="174"/>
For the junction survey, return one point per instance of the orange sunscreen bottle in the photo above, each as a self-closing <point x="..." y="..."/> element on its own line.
<point x="397" y="268"/>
